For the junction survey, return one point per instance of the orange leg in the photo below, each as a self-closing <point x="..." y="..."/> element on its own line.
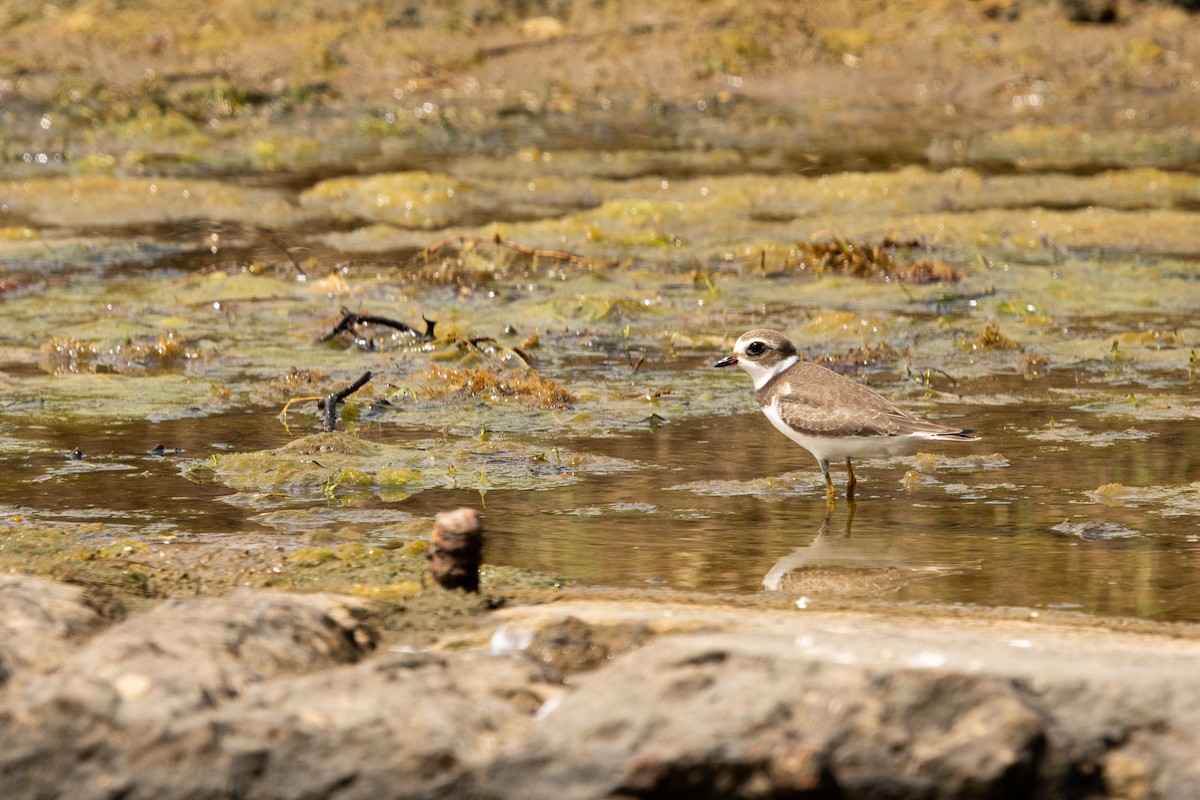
<point x="830" y="491"/>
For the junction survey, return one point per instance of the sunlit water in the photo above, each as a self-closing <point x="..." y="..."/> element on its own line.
<point x="726" y="504"/>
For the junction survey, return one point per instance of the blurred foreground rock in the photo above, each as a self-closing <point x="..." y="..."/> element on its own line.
<point x="457" y="549"/>
<point x="287" y="696"/>
<point x="40" y="622"/>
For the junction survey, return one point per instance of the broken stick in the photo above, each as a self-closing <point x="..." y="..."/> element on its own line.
<point x="352" y="319"/>
<point x="331" y="401"/>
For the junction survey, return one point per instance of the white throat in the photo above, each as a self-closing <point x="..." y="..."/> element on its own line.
<point x="761" y="377"/>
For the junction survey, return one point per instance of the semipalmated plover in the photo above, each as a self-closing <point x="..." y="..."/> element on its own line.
<point x="828" y="415"/>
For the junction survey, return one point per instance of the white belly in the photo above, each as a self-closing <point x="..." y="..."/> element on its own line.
<point x="838" y="448"/>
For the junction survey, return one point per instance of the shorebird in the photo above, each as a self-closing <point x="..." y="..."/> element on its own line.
<point x="829" y="415"/>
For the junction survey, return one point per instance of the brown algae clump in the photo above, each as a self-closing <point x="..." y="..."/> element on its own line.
<point x="990" y="338"/>
<point x="1033" y="365"/>
<point x="166" y="353"/>
<point x="490" y="384"/>
<point x="845" y="257"/>
<point x="859" y="358"/>
<point x="293" y="383"/>
<point x="466" y="260"/>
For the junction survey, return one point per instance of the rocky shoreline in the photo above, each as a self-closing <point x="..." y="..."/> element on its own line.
<point x="267" y="694"/>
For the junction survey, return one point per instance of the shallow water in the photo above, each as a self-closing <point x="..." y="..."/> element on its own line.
<point x="724" y="504"/>
<point x="167" y="311"/>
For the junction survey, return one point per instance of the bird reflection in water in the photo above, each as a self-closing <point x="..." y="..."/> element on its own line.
<point x="838" y="565"/>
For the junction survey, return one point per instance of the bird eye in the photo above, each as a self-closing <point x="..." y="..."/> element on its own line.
<point x="755" y="348"/>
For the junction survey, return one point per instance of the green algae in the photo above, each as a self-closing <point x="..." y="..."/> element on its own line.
<point x="795" y="484"/>
<point x="339" y="465"/>
<point x="1167" y="501"/>
<point x="112" y="200"/>
<point x="412" y="199"/>
<point x="647" y="324"/>
<point x="679" y="220"/>
<point x="1046" y="147"/>
<point x="935" y="462"/>
<point x="1078" y="435"/>
<point x="115" y="570"/>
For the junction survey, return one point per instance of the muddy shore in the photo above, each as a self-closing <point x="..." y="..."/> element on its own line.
<point x="168" y="88"/>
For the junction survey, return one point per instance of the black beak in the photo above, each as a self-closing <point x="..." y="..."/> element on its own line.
<point x="727" y="361"/>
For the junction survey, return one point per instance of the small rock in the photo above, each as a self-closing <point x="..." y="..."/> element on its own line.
<point x="572" y="645"/>
<point x="457" y="543"/>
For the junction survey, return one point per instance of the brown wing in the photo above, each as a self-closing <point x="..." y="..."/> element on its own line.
<point x="819" y="402"/>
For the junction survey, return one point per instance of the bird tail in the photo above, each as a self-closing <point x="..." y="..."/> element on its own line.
<point x="956" y="435"/>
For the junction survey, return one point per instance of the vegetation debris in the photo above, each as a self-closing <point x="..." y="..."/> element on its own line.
<point x="351" y="320"/>
<point x="858" y="357"/>
<point x="489" y="384"/>
<point x="165" y="353"/>
<point x="990" y="338"/>
<point x="464" y="243"/>
<point x="875" y="261"/>
<point x="329" y="404"/>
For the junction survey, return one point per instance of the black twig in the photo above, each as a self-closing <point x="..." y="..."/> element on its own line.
<point x="351" y="319"/>
<point x="331" y="401"/>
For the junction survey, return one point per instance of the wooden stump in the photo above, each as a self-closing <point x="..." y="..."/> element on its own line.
<point x="457" y="549"/>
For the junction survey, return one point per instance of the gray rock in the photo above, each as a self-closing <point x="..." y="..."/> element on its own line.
<point x="725" y="716"/>
<point x="265" y="695"/>
<point x="571" y="645"/>
<point x="41" y="622"/>
<point x="79" y="730"/>
<point x="397" y="726"/>
<point x="861" y="707"/>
